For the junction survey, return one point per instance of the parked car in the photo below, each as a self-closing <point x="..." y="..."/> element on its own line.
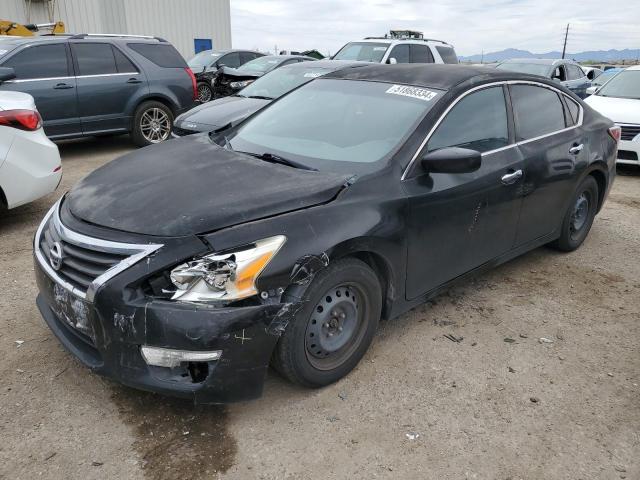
<point x="398" y="50"/>
<point x="205" y="66"/>
<point x="619" y="99"/>
<point x="227" y="111"/>
<point x="591" y="72"/>
<point x="232" y="80"/>
<point x="357" y="196"/>
<point x="566" y="72"/>
<point x="30" y="164"/>
<point x="88" y="85"/>
<point x="602" y="79"/>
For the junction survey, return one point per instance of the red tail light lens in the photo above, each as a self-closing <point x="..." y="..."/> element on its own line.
<point x="194" y="83"/>
<point x="21" y="119"/>
<point x="615" y="133"/>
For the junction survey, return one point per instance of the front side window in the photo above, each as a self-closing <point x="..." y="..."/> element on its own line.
<point x="94" y="58"/>
<point x="362" y="52"/>
<point x="625" y="84"/>
<point x="575" y="73"/>
<point x="40" y="61"/>
<point x="400" y="53"/>
<point x="537" y="111"/>
<point x="337" y="125"/>
<point x="478" y="122"/>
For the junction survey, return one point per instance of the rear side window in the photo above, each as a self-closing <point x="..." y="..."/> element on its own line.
<point x="537" y="111"/>
<point x="231" y="60"/>
<point x="448" y="54"/>
<point x="41" y="61"/>
<point x="573" y="111"/>
<point x="478" y="122"/>
<point x="421" y="54"/>
<point x="400" y="53"/>
<point x="94" y="58"/>
<point x="123" y="64"/>
<point x="246" y="56"/>
<point x="162" y="54"/>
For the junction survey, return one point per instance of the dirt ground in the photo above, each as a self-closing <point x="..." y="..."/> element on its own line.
<point x="499" y="404"/>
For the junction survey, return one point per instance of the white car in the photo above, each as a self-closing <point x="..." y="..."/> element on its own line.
<point x="619" y="99"/>
<point x="30" y="164"/>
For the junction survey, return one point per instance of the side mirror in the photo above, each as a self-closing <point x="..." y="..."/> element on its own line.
<point x="452" y="160"/>
<point x="592" y="90"/>
<point x="591" y="75"/>
<point x="391" y="61"/>
<point x="7" y="73"/>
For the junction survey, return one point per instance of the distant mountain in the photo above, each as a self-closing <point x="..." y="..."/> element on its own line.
<point x="595" y="55"/>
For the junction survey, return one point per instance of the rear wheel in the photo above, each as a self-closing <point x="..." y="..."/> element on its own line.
<point x="204" y="93"/>
<point x="335" y="326"/>
<point x="579" y="216"/>
<point x="152" y="123"/>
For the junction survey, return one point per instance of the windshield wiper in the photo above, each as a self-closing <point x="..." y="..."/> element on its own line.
<point x="260" y="97"/>
<point x="270" y="157"/>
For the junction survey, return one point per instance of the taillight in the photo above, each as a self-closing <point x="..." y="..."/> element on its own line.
<point x="615" y="133"/>
<point x="21" y="119"/>
<point x="194" y="83"/>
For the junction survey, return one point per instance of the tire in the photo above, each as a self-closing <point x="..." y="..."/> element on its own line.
<point x="205" y="94"/>
<point x="579" y="216"/>
<point x="337" y="322"/>
<point x="152" y="123"/>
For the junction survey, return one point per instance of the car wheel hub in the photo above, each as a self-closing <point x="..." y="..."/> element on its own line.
<point x="334" y="322"/>
<point x="580" y="213"/>
<point x="155" y="125"/>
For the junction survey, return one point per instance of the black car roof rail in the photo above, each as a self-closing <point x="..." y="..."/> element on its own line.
<point x="408" y="38"/>
<point x="115" y="35"/>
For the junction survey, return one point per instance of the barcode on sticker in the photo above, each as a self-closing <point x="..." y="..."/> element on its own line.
<point x="413" y="92"/>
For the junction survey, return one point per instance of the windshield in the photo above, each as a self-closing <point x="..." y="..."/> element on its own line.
<point x="604" y="77"/>
<point x="531" y="68"/>
<point x="362" y="51"/>
<point x="336" y="125"/>
<point x="281" y="81"/>
<point x="204" y="59"/>
<point x="624" y="85"/>
<point x="259" y="65"/>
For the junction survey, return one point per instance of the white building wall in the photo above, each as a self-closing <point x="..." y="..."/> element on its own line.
<point x="178" y="21"/>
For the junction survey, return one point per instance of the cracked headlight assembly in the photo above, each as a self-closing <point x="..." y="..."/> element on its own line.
<point x="224" y="276"/>
<point x="241" y="84"/>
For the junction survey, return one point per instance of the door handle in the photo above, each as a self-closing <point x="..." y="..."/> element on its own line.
<point x="134" y="80"/>
<point x="509" y="178"/>
<point x="62" y="86"/>
<point x="576" y="149"/>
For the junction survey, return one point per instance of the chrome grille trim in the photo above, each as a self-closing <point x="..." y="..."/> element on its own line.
<point x="135" y="252"/>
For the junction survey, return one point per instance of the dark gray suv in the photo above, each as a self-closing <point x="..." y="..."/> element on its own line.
<point x="101" y="84"/>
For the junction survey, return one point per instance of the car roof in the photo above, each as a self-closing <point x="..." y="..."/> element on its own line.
<point x="440" y="76"/>
<point x="228" y="50"/>
<point x="328" y="64"/>
<point x="541" y="61"/>
<point x="635" y="67"/>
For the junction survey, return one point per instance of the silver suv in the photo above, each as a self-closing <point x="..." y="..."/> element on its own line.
<point x="400" y="46"/>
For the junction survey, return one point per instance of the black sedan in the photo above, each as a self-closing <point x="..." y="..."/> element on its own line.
<point x="231" y="80"/>
<point x="225" y="112"/>
<point x="188" y="267"/>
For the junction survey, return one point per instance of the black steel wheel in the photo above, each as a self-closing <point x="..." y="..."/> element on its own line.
<point x="579" y="216"/>
<point x="335" y="326"/>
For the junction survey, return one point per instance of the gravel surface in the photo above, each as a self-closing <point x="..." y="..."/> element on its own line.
<point x="528" y="372"/>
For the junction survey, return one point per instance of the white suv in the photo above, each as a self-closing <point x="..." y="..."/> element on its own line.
<point x="412" y="48"/>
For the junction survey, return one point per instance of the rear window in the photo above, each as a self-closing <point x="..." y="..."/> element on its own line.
<point x="162" y="54"/>
<point x="448" y="54"/>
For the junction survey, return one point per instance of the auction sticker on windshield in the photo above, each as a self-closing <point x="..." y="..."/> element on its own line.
<point x="413" y="92"/>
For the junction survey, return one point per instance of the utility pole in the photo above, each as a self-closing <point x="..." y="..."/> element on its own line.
<point x="482" y="58"/>
<point x="566" y="35"/>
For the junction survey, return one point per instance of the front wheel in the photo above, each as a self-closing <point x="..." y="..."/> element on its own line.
<point x="204" y="93"/>
<point x="579" y="216"/>
<point x="335" y="326"/>
<point x="152" y="123"/>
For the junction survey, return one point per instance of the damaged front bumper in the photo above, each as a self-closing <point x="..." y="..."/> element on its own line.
<point x="218" y="354"/>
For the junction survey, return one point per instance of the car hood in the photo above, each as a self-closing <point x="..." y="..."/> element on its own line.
<point x="620" y="110"/>
<point x="219" y="113"/>
<point x="190" y="185"/>
<point x="239" y="74"/>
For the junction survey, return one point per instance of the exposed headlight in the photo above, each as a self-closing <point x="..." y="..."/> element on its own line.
<point x="227" y="276"/>
<point x="241" y="84"/>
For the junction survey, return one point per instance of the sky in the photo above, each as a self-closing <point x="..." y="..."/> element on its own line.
<point x="470" y="25"/>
